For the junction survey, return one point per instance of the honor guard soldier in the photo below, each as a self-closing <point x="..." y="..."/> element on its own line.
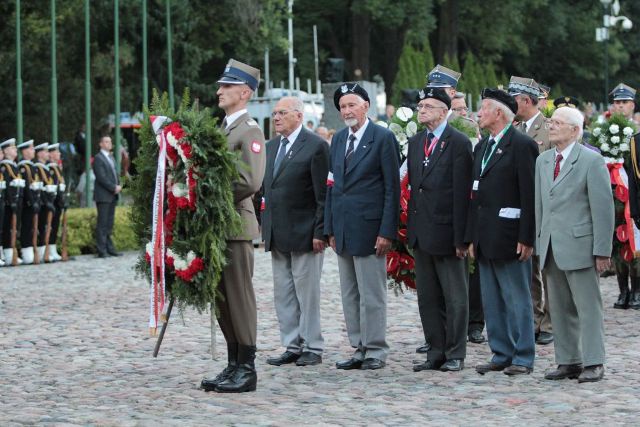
<point x="12" y="201"/>
<point x="624" y="102"/>
<point x="543" y="97"/>
<point x="31" y="205"/>
<point x="60" y="202"/>
<point x="47" y="199"/>
<point x="237" y="309"/>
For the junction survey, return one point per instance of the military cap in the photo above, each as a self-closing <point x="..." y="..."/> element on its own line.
<point x="238" y="73"/>
<point x="8" y="143"/>
<point x="53" y="147"/>
<point x="41" y="147"/>
<point x="435" y="93"/>
<point x="502" y="97"/>
<point x="522" y="85"/>
<point x="566" y="101"/>
<point x="26" y="144"/>
<point x="347" y="89"/>
<point x="623" y="92"/>
<point x="443" y="77"/>
<point x="544" y="91"/>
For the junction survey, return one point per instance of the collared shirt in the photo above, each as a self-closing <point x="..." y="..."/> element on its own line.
<point x="233" y="117"/>
<point x="437" y="132"/>
<point x="292" y="139"/>
<point x="358" y="135"/>
<point x="565" y="154"/>
<point x="529" y="122"/>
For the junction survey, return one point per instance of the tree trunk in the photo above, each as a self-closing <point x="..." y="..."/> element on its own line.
<point x="448" y="31"/>
<point x="361" y="44"/>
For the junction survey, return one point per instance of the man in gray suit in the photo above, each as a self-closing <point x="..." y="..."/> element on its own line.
<point x="106" y="194"/>
<point x="574" y="225"/>
<point x="295" y="186"/>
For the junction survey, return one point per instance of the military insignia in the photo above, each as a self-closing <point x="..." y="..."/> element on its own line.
<point x="344" y="89"/>
<point x="430" y="92"/>
<point x="252" y="122"/>
<point x="256" y="147"/>
<point x="421" y="94"/>
<point x="499" y="151"/>
<point x="567" y="99"/>
<point x="226" y="70"/>
<point x="330" y="179"/>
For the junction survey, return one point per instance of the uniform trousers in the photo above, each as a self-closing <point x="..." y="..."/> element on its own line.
<point x="26" y="228"/>
<point x="296" y="290"/>
<point x="363" y="284"/>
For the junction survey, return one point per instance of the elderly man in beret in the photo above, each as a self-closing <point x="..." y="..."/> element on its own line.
<point x="361" y="221"/>
<point x="503" y="233"/>
<point x="439" y="168"/>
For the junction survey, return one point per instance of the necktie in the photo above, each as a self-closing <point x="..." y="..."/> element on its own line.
<point x="487" y="151"/>
<point x="224" y="123"/>
<point x="113" y="166"/>
<point x="350" y="149"/>
<point x="428" y="148"/>
<point x="281" y="152"/>
<point x="556" y="170"/>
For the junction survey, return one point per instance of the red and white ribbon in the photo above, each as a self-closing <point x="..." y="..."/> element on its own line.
<point x="619" y="177"/>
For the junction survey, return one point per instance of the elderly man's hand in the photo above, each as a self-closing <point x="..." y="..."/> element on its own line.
<point x="602" y="263"/>
<point x="382" y="245"/>
<point x="524" y="251"/>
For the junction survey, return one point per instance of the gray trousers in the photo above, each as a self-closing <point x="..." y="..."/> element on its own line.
<point x="577" y="313"/>
<point x="296" y="291"/>
<point x="363" y="284"/>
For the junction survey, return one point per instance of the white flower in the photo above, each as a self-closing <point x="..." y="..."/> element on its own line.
<point x="179" y="189"/>
<point x="402" y="137"/>
<point x="614" y="128"/>
<point x="597" y="131"/>
<point x="614" y="151"/>
<point x="172" y="140"/>
<point x="404" y="113"/>
<point x="190" y="257"/>
<point x="624" y="147"/>
<point x="172" y="254"/>
<point x="411" y="129"/>
<point x="149" y="248"/>
<point x="605" y="147"/>
<point x="383" y="124"/>
<point x="609" y="160"/>
<point x="395" y="128"/>
<point x="179" y="264"/>
<point x="601" y="119"/>
<point x="615" y="139"/>
<point x="627" y="131"/>
<point x="405" y="150"/>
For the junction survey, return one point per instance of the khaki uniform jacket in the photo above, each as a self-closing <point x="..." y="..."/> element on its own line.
<point x="539" y="132"/>
<point x="245" y="136"/>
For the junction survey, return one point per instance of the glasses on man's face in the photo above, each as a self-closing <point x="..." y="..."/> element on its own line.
<point x="280" y="113"/>
<point x="556" y="124"/>
<point x="460" y="109"/>
<point x="426" y="107"/>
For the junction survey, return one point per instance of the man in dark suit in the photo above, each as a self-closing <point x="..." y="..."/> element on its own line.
<point x="439" y="167"/>
<point x="361" y="220"/>
<point x="295" y="186"/>
<point x="106" y="194"/>
<point x="502" y="232"/>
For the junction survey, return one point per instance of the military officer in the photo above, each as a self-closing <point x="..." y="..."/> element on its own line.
<point x="624" y="102"/>
<point x="12" y="200"/>
<point x="60" y="202"/>
<point x="543" y="98"/>
<point x="47" y="198"/>
<point x="31" y="207"/>
<point x="237" y="310"/>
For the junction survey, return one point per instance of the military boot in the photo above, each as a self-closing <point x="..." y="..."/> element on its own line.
<point x="244" y="378"/>
<point x="634" y="299"/>
<point x="623" y="298"/>
<point x="232" y="357"/>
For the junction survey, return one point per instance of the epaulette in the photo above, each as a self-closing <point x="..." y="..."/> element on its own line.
<point x="252" y="122"/>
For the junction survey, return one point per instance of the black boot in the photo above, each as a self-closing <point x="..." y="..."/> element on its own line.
<point x="244" y="378"/>
<point x="232" y="357"/>
<point x="634" y="299"/>
<point x="623" y="298"/>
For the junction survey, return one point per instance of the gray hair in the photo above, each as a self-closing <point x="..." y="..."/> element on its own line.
<point x="506" y="112"/>
<point x="296" y="103"/>
<point x="574" y="117"/>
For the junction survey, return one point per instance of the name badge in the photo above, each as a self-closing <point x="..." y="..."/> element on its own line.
<point x="476" y="184"/>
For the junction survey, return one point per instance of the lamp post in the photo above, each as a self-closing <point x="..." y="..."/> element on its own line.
<point x="610" y="19"/>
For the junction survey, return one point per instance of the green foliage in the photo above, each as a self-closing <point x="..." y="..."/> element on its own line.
<point x="464" y="126"/>
<point x="205" y="229"/>
<point x="413" y="67"/>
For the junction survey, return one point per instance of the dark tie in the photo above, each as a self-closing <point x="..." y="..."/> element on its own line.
<point x="556" y="170"/>
<point x="283" y="149"/>
<point x="112" y="163"/>
<point x="487" y="150"/>
<point x="350" y="149"/>
<point x="224" y="123"/>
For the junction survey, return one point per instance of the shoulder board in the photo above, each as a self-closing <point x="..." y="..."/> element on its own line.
<point x="252" y="122"/>
<point x="25" y="162"/>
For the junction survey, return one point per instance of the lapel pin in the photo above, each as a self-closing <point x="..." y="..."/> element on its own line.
<point x="499" y="151"/>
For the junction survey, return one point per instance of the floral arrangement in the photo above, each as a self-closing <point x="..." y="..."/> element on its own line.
<point x="198" y="209"/>
<point x="612" y="137"/>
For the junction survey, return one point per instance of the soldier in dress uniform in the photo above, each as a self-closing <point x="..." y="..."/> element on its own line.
<point x="237" y="310"/>
<point x="624" y="102"/>
<point x="12" y="196"/>
<point x="60" y="202"/>
<point x="31" y="206"/>
<point x="47" y="197"/>
<point x="543" y="97"/>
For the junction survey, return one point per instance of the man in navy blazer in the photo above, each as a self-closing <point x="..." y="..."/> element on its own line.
<point x="361" y="221"/>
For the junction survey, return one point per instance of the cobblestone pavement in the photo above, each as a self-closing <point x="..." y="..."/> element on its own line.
<point x="75" y="350"/>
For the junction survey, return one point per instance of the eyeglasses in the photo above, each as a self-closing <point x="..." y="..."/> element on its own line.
<point x="427" y="107"/>
<point x="556" y="124"/>
<point x="460" y="109"/>
<point x="281" y="113"/>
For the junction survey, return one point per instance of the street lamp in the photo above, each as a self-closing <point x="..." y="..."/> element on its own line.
<point x="610" y="19"/>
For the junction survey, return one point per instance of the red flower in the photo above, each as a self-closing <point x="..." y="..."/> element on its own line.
<point x="183" y="202"/>
<point x="621" y="233"/>
<point x="175" y="129"/>
<point x="402" y="235"/>
<point x="186" y="149"/>
<point x="194" y="268"/>
<point x="169" y="261"/>
<point x="407" y="262"/>
<point x="393" y="262"/>
<point x="147" y="257"/>
<point x="409" y="282"/>
<point x="622" y="193"/>
<point x="403" y="217"/>
<point x="626" y="253"/>
<point x="172" y="153"/>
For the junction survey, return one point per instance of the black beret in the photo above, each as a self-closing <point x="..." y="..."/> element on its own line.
<point x="566" y="101"/>
<point x="349" y="88"/>
<point x="502" y="97"/>
<point x="435" y="93"/>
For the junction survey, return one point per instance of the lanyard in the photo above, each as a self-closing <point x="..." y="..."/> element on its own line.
<point x="485" y="162"/>
<point x="428" y="150"/>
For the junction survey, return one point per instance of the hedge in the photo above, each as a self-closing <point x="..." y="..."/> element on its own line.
<point x="81" y="226"/>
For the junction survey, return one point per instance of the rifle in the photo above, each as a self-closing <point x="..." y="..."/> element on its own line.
<point x="34" y="240"/>
<point x="163" y="330"/>
<point x="65" y="253"/>
<point x="47" y="236"/>
<point x="14" y="234"/>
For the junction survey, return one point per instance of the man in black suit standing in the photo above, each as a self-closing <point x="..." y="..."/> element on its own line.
<point x="439" y="167"/>
<point x="106" y="195"/>
<point x="503" y="231"/>
<point x="295" y="186"/>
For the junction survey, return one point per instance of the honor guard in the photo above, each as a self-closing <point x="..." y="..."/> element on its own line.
<point x="47" y="200"/>
<point x="543" y="98"/>
<point x="60" y="203"/>
<point x="623" y="98"/>
<point x="31" y="205"/>
<point x="12" y="200"/>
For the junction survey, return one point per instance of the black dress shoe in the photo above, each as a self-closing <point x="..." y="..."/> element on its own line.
<point x="102" y="256"/>
<point x="372" y="363"/>
<point x="517" y="370"/>
<point x="476" y="337"/>
<point x="244" y="378"/>
<point x="544" y="338"/>
<point x="591" y="374"/>
<point x="623" y="300"/>
<point x="283" y="359"/>
<point x="307" y="359"/>
<point x="489" y="367"/>
<point x="349" y="364"/>
<point x="114" y="253"/>
<point x="564" y="371"/>
<point x="424" y="348"/>
<point x="210" y="384"/>
<point x="452" y="365"/>
<point x="427" y="365"/>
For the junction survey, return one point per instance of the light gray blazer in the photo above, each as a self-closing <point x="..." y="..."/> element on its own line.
<point x="574" y="213"/>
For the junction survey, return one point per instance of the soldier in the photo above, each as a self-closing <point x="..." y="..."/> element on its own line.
<point x="12" y="200"/>
<point x="60" y="202"/>
<point x="623" y="97"/>
<point x="3" y="190"/>
<point x="47" y="198"/>
<point x="533" y="124"/>
<point x="31" y="206"/>
<point x="237" y="309"/>
<point x="543" y="97"/>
